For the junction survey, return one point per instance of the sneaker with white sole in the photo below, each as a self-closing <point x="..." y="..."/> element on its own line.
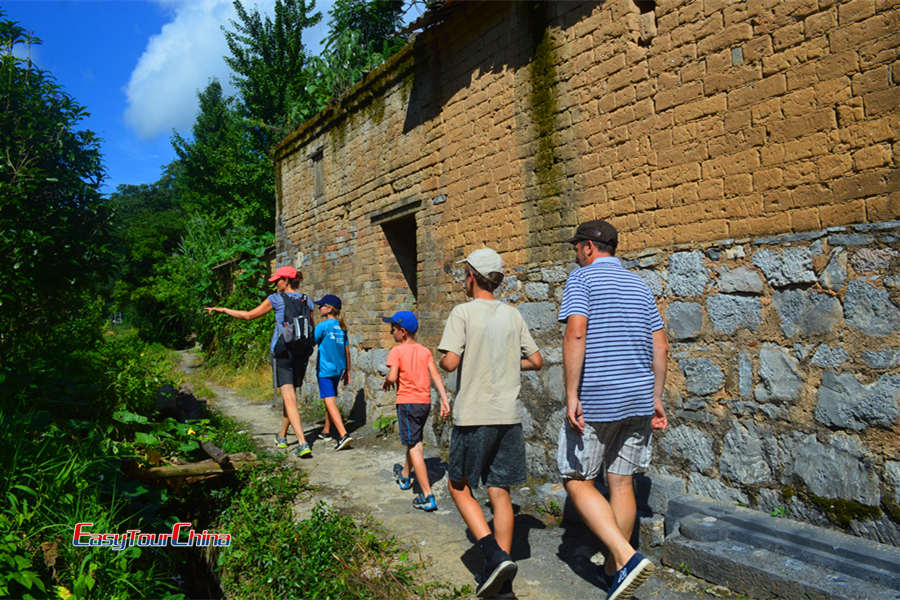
<point x="495" y="576"/>
<point x="343" y="442"/>
<point x="628" y="578"/>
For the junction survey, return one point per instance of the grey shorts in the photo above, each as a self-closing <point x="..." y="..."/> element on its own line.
<point x="289" y="368"/>
<point x="490" y="454"/>
<point x="623" y="446"/>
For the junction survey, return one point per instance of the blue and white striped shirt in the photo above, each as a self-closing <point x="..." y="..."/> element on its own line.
<point x="617" y="377"/>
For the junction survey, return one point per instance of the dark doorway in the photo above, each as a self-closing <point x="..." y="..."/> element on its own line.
<point x="401" y="235"/>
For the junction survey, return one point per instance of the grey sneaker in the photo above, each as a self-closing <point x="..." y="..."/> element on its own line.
<point x="343" y="442"/>
<point x="280" y="442"/>
<point x="303" y="451"/>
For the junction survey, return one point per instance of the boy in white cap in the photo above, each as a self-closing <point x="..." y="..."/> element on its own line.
<point x="490" y="344"/>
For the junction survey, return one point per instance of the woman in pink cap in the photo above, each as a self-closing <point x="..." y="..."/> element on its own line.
<point x="288" y="367"/>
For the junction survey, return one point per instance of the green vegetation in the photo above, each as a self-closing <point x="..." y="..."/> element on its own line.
<point x="328" y="555"/>
<point x="384" y="425"/>
<point x="215" y="203"/>
<point x="543" y="97"/>
<point x="80" y="417"/>
<point x="844" y="512"/>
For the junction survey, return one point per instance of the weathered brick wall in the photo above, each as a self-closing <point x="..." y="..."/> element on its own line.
<point x="696" y="126"/>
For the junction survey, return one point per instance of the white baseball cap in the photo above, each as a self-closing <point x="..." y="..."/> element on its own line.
<point x="485" y="261"/>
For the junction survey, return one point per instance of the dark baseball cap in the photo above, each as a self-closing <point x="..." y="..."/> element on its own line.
<point x="596" y="231"/>
<point x="330" y="300"/>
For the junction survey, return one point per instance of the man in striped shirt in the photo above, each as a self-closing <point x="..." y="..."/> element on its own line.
<point x="614" y="357"/>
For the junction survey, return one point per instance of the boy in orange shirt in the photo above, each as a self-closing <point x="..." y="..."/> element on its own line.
<point x="412" y="370"/>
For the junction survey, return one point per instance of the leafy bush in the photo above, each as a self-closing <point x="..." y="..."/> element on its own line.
<point x="55" y="477"/>
<point x="328" y="555"/>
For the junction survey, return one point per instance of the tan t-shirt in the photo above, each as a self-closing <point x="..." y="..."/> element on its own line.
<point x="492" y="338"/>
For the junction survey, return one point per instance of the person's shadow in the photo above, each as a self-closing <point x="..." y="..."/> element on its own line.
<point x="521" y="548"/>
<point x="436" y="468"/>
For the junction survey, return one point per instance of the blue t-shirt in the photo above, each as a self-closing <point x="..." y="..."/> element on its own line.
<point x="278" y="305"/>
<point x="617" y="377"/>
<point x="332" y="341"/>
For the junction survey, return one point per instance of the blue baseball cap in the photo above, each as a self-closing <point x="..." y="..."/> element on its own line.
<point x="330" y="300"/>
<point x="404" y="319"/>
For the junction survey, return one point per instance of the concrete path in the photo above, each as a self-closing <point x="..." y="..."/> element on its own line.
<point x="554" y="561"/>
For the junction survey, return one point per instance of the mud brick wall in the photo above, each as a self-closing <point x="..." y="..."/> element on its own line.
<point x="743" y="149"/>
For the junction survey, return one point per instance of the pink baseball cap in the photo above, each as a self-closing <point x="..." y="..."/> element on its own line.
<point x="285" y="271"/>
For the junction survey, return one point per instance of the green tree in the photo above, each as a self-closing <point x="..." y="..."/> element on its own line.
<point x="362" y="35"/>
<point x="223" y="169"/>
<point x="54" y="223"/>
<point x="269" y="61"/>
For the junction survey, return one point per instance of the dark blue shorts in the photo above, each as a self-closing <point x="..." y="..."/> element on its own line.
<point x="328" y="386"/>
<point x="411" y="421"/>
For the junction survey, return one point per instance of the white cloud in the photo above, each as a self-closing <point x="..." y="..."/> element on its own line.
<point x="177" y="63"/>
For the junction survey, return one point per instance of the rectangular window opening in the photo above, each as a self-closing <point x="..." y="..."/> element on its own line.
<point x="318" y="178"/>
<point x="401" y="235"/>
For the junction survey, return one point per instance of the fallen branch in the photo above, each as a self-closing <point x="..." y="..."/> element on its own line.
<point x="203" y="467"/>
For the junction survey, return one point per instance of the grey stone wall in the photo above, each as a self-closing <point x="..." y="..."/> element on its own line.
<point x="783" y="385"/>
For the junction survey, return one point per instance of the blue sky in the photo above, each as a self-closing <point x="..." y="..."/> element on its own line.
<point x="137" y="67"/>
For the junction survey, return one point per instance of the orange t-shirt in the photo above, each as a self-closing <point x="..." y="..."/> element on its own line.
<point x="413" y="380"/>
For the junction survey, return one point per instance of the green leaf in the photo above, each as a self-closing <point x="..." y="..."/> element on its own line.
<point x="124" y="416"/>
<point x="145" y="438"/>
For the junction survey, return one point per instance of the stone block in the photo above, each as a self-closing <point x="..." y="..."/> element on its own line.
<point x="885" y="358"/>
<point x="379" y="361"/>
<point x="845" y="402"/>
<point x="793" y="265"/>
<point x="779" y="374"/>
<point x="867" y="260"/>
<point x="684" y="320"/>
<point x="653" y="281"/>
<point x="807" y="313"/>
<point x="702" y="376"/>
<point x="839" y="468"/>
<point x="537" y="290"/>
<point x="539" y="316"/>
<point x="870" y="310"/>
<point x="536" y="460"/>
<point x="743" y="459"/>
<point x="745" y="374"/>
<point x="713" y="488"/>
<point x="554" y="274"/>
<point x="892" y="477"/>
<point x="835" y="274"/>
<point x="554" y="387"/>
<point x="693" y="445"/>
<point x="741" y="279"/>
<point x="662" y="485"/>
<point x="850" y="239"/>
<point x="826" y="356"/>
<point x="687" y="276"/>
<point x="729" y="313"/>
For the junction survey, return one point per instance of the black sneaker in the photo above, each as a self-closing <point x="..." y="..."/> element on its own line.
<point x="343" y="442"/>
<point x="495" y="576"/>
<point x="506" y="592"/>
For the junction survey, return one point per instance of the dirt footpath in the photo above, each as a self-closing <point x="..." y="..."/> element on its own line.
<point x="554" y="561"/>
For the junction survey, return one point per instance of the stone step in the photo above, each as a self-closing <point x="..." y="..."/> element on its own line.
<point x="765" y="556"/>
